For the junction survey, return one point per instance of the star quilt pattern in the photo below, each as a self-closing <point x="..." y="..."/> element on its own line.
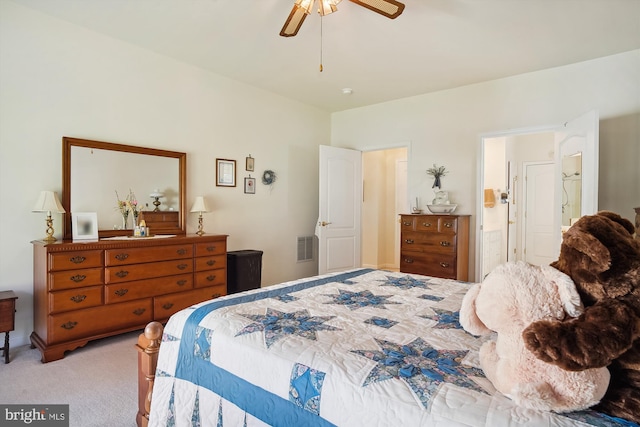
<point x="358" y="348"/>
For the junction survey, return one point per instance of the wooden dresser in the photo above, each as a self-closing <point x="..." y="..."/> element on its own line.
<point x="89" y="290"/>
<point x="435" y="245"/>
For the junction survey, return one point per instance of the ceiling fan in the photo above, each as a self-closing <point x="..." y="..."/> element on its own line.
<point x="389" y="8"/>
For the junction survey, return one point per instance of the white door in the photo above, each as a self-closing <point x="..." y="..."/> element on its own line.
<point x="539" y="236"/>
<point x="340" y="206"/>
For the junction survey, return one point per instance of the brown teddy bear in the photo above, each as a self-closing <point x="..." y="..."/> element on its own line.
<point x="601" y="256"/>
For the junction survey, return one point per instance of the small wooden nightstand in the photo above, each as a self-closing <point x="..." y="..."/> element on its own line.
<point x="7" y="318"/>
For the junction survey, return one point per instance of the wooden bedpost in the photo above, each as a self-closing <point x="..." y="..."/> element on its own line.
<point x="148" y="347"/>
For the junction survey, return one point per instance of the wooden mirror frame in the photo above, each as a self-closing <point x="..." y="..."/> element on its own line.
<point x="68" y="143"/>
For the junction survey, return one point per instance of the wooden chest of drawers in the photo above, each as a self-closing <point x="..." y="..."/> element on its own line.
<point x="435" y="245"/>
<point x="85" y="291"/>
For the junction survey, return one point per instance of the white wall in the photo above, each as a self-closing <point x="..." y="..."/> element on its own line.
<point x="59" y="80"/>
<point x="445" y="127"/>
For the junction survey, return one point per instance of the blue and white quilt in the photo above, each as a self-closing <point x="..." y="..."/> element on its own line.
<point x="358" y="348"/>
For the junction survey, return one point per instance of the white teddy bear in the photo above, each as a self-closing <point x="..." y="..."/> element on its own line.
<point x="508" y="300"/>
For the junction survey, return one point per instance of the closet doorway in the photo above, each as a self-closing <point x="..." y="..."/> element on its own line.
<point x="385" y="196"/>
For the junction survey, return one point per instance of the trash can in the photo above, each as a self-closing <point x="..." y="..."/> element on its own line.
<point x="244" y="269"/>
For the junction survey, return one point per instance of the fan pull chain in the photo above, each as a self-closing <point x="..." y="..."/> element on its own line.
<point x="321" y="43"/>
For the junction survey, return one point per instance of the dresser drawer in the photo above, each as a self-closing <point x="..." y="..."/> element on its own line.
<point x="140" y="255"/>
<point x="428" y="242"/>
<point x="407" y="223"/>
<point x="127" y="273"/>
<point x="166" y="305"/>
<point x="7" y="315"/>
<point x="75" y="299"/>
<point x="436" y="224"/>
<point x="211" y="248"/>
<point x="96" y="320"/>
<point x="211" y="278"/>
<point x="211" y="262"/>
<point x="127" y="291"/>
<point x="75" y="278"/>
<point x="74" y="260"/>
<point x="428" y="264"/>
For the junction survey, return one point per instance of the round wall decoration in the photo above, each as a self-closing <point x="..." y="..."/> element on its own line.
<point x="268" y="177"/>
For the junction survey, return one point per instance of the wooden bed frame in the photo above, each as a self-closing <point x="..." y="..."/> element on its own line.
<point x="148" y="347"/>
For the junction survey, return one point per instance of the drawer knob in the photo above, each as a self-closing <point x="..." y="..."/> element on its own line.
<point x="211" y="277"/>
<point x="211" y="262"/>
<point x="426" y="224"/>
<point x="409" y="241"/>
<point x="78" y="298"/>
<point x="216" y="295"/>
<point x="408" y="260"/>
<point x="182" y="266"/>
<point x="122" y="273"/>
<point x="121" y="292"/>
<point x="77" y="259"/>
<point x="444" y="264"/>
<point x="181" y="282"/>
<point x="406" y="224"/>
<point x="69" y="325"/>
<point x="181" y="251"/>
<point x="167" y="306"/>
<point x="444" y="243"/>
<point x="122" y="257"/>
<point x="448" y="224"/>
<point x="139" y="311"/>
<point x="211" y="248"/>
<point x="78" y="278"/>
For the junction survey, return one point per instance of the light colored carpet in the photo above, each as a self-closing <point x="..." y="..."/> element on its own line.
<point x="98" y="381"/>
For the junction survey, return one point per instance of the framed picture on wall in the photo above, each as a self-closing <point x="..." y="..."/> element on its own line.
<point x="84" y="225"/>
<point x="250" y="185"/>
<point x="249" y="163"/>
<point x="225" y="173"/>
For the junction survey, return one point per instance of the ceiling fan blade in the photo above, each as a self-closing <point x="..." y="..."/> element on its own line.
<point x="293" y="22"/>
<point x="389" y="8"/>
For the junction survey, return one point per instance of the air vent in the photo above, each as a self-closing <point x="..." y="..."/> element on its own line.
<point x="305" y="248"/>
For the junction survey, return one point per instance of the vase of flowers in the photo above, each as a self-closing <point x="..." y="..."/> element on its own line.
<point x="126" y="206"/>
<point x="437" y="172"/>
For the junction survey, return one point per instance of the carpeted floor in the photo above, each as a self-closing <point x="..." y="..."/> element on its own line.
<point x="98" y="381"/>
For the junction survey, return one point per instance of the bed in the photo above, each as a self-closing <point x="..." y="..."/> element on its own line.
<point x="357" y="348"/>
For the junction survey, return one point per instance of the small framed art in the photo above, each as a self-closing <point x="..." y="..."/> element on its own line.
<point x="250" y="185"/>
<point x="249" y="163"/>
<point x="225" y="173"/>
<point x="84" y="225"/>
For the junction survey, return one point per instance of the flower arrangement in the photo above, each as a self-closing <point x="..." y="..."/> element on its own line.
<point x="437" y="172"/>
<point x="129" y="204"/>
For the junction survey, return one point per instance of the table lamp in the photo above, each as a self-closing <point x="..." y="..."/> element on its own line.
<point x="199" y="206"/>
<point x="48" y="202"/>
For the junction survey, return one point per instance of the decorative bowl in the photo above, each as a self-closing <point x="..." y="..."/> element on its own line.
<point x="439" y="209"/>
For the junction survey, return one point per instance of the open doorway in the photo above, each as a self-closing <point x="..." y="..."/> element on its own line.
<point x="384" y="198"/>
<point x="508" y="159"/>
<point x="527" y="199"/>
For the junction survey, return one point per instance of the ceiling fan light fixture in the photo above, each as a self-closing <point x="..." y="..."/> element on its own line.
<point x="305" y="5"/>
<point x="328" y="6"/>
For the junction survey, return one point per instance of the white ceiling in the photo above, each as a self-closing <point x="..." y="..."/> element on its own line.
<point x="433" y="45"/>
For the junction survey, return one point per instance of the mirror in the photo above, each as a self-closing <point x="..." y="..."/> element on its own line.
<point x="571" y="189"/>
<point x="96" y="175"/>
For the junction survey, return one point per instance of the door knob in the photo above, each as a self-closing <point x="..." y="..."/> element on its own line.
<point x="324" y="223"/>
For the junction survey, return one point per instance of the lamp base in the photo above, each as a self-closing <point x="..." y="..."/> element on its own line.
<point x="49" y="230"/>
<point x="200" y="232"/>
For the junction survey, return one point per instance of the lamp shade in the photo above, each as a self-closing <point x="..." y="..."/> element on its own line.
<point x="48" y="202"/>
<point x="156" y="193"/>
<point x="199" y="205"/>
